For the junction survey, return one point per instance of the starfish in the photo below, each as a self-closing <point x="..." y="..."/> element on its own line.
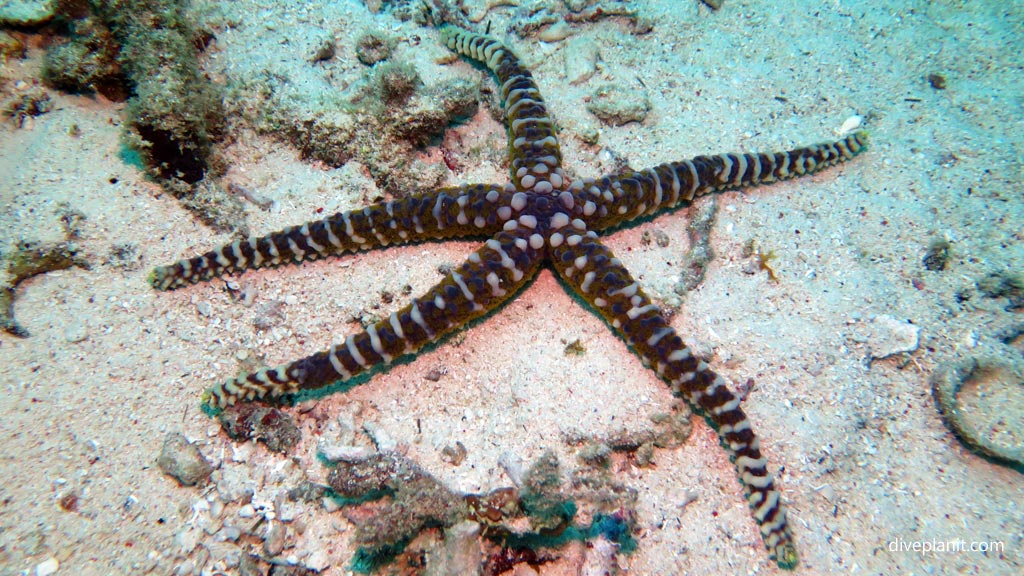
<point x="539" y="219"/>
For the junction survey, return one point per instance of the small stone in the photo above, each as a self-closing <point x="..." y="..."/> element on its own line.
<point x="852" y="123"/>
<point x="595" y="454"/>
<point x="273" y="541"/>
<point x="216" y="508"/>
<point x="454" y="455"/>
<point x="183" y="461"/>
<point x="246" y="511"/>
<point x="203" y="308"/>
<point x="372" y="47"/>
<point x="324" y="50"/>
<point x="75" y="331"/>
<point x="330" y="505"/>
<point x="512" y="464"/>
<point x="187" y="539"/>
<point x="47" y="567"/>
<point x="185" y="568"/>
<point x="645" y="454"/>
<point x="225" y="552"/>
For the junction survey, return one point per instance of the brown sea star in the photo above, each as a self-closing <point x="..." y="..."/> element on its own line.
<point x="540" y="218"/>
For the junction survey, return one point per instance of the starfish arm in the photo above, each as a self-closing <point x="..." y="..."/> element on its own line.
<point x="613" y="200"/>
<point x="594" y="273"/>
<point x="491" y="275"/>
<point x="535" y="159"/>
<point x="462" y="211"/>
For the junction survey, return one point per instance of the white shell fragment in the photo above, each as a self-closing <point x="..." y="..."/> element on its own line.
<point x="852" y="123"/>
<point x="890" y="336"/>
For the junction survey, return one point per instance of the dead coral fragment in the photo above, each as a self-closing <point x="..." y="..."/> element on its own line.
<point x="28" y="260"/>
<point x="416" y="501"/>
<point x="1001" y="438"/>
<point x="937" y="255"/>
<point x="27" y="103"/>
<point x="700" y="254"/>
<point x="542" y="499"/>
<point x="373" y="46"/>
<point x="273" y="427"/>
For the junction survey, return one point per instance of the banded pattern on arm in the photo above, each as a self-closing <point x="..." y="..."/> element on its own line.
<point x="599" y="278"/>
<point x="491" y="275"/>
<point x="613" y="200"/>
<point x="461" y="211"/>
<point x="535" y="159"/>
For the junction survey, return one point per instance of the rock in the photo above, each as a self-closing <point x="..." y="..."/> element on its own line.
<point x="581" y="55"/>
<point x="230" y="533"/>
<point x="889" y="336"/>
<point x="460" y="552"/>
<point x="183" y="461"/>
<point x="616" y="105"/>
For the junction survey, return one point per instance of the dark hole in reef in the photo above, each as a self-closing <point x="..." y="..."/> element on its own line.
<point x="170" y="158"/>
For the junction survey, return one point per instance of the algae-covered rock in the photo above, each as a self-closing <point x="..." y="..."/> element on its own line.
<point x="182" y="460"/>
<point x="87" y="61"/>
<point x="26" y="12"/>
<point x="147" y="51"/>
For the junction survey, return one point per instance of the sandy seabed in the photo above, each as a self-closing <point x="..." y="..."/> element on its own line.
<point x="863" y="459"/>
